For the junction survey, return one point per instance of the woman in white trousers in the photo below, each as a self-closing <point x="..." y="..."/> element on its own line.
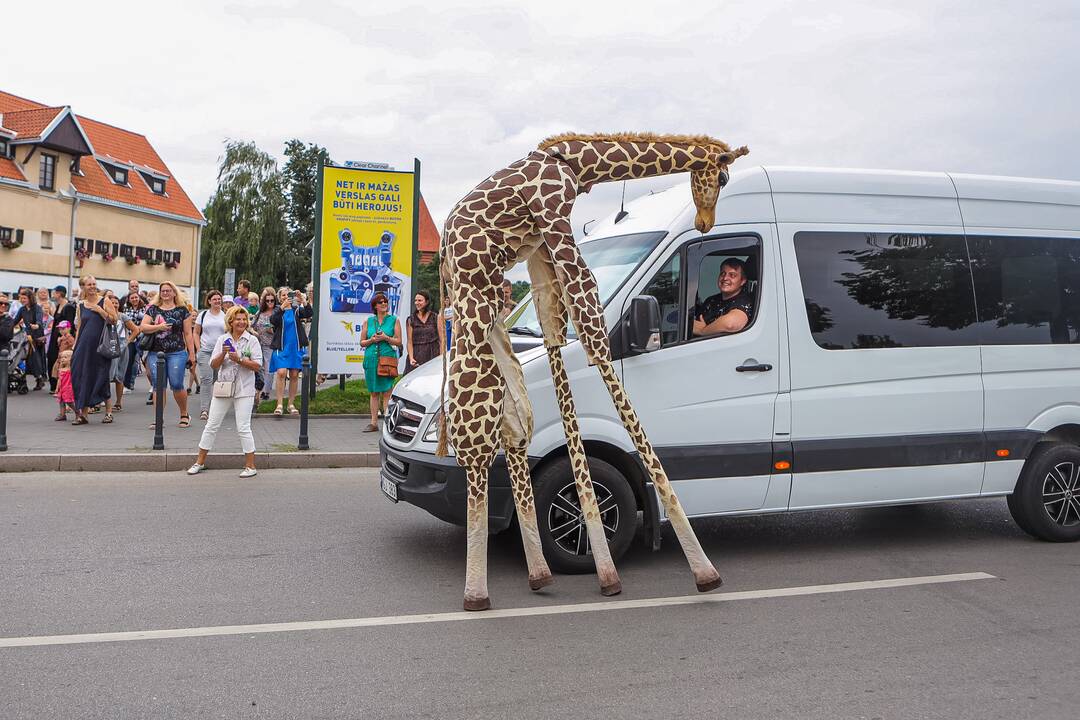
<point x="236" y="356"/>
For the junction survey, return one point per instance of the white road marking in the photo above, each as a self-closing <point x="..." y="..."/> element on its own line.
<point x="489" y="614"/>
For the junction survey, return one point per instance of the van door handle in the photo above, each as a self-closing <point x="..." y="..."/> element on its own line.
<point x="763" y="367"/>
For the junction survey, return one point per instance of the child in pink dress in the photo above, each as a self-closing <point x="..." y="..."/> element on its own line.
<point x="65" y="393"/>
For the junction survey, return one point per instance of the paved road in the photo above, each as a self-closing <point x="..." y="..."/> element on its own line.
<point x="31" y="429"/>
<point x="94" y="553"/>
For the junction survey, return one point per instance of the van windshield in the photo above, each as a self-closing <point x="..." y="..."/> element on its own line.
<point x="611" y="259"/>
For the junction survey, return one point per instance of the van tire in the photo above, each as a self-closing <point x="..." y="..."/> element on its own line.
<point x="556" y="481"/>
<point x="1046" y="501"/>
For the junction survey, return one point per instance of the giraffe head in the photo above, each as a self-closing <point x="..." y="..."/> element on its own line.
<point x="706" y="183"/>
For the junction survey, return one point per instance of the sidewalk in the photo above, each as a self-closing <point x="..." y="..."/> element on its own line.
<point x="36" y="442"/>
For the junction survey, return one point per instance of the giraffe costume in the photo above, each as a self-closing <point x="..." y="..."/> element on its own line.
<point x="522" y="213"/>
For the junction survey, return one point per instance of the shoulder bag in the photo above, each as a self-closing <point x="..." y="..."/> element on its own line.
<point x="109" y="345"/>
<point x="387" y="366"/>
<point x="225" y="388"/>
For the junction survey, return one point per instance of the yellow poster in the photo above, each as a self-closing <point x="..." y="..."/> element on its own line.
<point x="367" y="249"/>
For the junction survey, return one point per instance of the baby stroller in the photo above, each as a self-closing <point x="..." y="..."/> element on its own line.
<point x="18" y="348"/>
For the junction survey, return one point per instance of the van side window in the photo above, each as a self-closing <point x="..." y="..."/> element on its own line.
<point x="665" y="288"/>
<point x="722" y="294"/>
<point x="1028" y="289"/>
<point x="881" y="290"/>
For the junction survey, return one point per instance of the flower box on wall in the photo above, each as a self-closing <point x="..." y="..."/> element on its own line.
<point x="11" y="238"/>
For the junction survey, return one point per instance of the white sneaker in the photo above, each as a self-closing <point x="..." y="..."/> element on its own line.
<point x="248" y="472"/>
<point x="195" y="469"/>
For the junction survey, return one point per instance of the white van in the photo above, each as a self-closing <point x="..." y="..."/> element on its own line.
<point x="914" y="337"/>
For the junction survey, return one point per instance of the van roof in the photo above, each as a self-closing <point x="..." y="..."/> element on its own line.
<point x="982" y="198"/>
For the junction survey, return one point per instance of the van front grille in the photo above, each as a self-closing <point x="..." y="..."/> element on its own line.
<point x="403" y="419"/>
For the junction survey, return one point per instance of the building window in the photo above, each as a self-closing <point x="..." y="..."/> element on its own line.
<point x="116" y="173"/>
<point x="47" y="176"/>
<point x="884" y="290"/>
<point x="4" y="148"/>
<point x="46" y="240"/>
<point x="156" y="184"/>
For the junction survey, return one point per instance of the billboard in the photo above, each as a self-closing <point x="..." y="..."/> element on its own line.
<point x="366" y="245"/>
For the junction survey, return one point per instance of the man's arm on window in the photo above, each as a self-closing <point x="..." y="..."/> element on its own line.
<point x="732" y="321"/>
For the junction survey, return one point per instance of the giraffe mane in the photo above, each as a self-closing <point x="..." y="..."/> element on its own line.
<point x="671" y="139"/>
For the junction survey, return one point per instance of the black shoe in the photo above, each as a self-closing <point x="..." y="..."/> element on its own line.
<point x="150" y="398"/>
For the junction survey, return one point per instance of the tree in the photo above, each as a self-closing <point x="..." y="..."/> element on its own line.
<point x="426" y="278"/>
<point x="301" y="180"/>
<point x="245" y="226"/>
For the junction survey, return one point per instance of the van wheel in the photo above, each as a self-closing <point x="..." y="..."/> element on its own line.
<point x="558" y="514"/>
<point x="1046" y="501"/>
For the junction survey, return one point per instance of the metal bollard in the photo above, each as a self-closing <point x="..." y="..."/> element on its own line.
<point x="159" y="402"/>
<point x="3" y="399"/>
<point x="341" y="382"/>
<point x="305" y="367"/>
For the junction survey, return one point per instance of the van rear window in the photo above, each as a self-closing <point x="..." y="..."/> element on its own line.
<point x="1028" y="289"/>
<point x="880" y="290"/>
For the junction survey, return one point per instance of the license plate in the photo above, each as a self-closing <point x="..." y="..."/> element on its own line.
<point x="389" y="487"/>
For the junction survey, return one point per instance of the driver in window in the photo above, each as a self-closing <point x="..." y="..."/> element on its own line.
<point x="730" y="310"/>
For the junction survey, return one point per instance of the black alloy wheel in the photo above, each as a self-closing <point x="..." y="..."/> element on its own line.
<point x="1046" y="502"/>
<point x="562" y="524"/>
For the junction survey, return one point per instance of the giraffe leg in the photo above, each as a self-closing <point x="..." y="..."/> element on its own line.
<point x="516" y="428"/>
<point x="705" y="574"/>
<point x="476" y="398"/>
<point x="518" y="464"/>
<point x="476" y="515"/>
<point x="605" y="566"/>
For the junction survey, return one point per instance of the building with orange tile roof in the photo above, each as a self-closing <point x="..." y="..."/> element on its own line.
<point x="80" y="196"/>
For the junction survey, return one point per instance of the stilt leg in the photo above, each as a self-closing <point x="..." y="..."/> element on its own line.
<point x="476" y="518"/>
<point x="605" y="567"/>
<point x="705" y="574"/>
<point x="518" y="465"/>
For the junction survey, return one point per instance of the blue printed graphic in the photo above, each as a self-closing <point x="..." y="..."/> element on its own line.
<point x="364" y="272"/>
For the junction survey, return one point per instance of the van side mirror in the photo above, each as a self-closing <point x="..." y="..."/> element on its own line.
<point x="643" y="324"/>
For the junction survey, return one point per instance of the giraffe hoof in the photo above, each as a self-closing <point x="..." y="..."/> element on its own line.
<point x="540" y="582"/>
<point x="710" y="585"/>
<point x="474" y="604"/>
<point x="613" y="589"/>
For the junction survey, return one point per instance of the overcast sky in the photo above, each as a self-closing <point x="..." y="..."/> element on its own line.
<point x="468" y="87"/>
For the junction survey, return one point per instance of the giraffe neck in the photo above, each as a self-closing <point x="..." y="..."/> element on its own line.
<point x="606" y="161"/>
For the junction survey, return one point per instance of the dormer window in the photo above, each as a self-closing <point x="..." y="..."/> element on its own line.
<point x="5" y="148"/>
<point x="155" y="183"/>
<point x="116" y="173"/>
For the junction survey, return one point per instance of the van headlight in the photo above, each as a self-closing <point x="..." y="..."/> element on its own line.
<point x="432" y="432"/>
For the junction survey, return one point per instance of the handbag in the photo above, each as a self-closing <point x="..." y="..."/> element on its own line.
<point x="109" y="346"/>
<point x="387" y="367"/>
<point x="225" y="388"/>
<point x="145" y="342"/>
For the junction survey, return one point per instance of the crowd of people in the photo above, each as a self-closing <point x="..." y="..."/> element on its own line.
<point x="231" y="353"/>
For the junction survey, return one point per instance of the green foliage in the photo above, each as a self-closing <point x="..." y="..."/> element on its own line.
<point x="427" y="278"/>
<point x="519" y="290"/>
<point x="245" y="227"/>
<point x="356" y="400"/>
<point x="301" y="180"/>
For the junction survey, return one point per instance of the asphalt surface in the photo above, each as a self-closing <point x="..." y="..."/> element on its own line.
<point x="90" y="553"/>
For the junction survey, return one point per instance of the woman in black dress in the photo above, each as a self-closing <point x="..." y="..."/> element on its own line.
<point x="31" y="317"/>
<point x="423" y="332"/>
<point x="90" y="371"/>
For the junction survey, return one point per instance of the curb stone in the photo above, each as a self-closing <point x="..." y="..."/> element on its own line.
<point x="179" y="461"/>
